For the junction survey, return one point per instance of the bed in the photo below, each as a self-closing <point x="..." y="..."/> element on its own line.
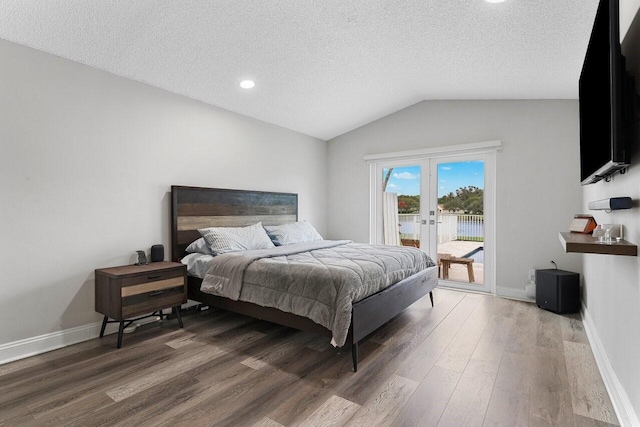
<point x="194" y="208"/>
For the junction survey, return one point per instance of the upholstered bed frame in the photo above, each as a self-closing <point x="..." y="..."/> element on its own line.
<point x="196" y="207"/>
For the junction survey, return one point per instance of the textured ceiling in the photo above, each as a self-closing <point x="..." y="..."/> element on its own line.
<point x="321" y="67"/>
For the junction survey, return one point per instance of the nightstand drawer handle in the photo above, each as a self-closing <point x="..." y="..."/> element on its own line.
<point x="154" y="277"/>
<point x="155" y="294"/>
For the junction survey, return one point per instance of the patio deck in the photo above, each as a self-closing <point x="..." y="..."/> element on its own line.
<point x="458" y="272"/>
<point x="458" y="248"/>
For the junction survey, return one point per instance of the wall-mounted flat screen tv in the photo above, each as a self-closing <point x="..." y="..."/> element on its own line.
<point x="607" y="100"/>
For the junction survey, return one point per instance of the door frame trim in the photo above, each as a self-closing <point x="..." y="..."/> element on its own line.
<point x="444" y="150"/>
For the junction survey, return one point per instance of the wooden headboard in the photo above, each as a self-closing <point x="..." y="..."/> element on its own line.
<point x="197" y="207"/>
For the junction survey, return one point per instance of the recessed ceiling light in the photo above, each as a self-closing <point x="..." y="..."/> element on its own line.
<point x="494" y="1"/>
<point x="247" y="84"/>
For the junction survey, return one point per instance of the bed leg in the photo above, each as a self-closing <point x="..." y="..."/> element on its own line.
<point x="431" y="298"/>
<point x="354" y="356"/>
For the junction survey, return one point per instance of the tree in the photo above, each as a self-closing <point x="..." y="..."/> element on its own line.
<point x="408" y="204"/>
<point x="386" y="179"/>
<point x="467" y="199"/>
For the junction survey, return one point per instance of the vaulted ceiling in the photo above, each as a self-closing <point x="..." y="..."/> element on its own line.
<point x="321" y="67"/>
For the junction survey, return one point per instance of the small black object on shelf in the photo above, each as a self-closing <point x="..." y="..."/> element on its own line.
<point x="157" y="253"/>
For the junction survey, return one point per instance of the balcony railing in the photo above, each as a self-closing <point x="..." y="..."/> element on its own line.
<point x="450" y="227"/>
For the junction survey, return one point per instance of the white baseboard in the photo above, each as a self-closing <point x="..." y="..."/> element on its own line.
<point x="31" y="346"/>
<point x="41" y="344"/>
<point x="518" y="294"/>
<point x="619" y="398"/>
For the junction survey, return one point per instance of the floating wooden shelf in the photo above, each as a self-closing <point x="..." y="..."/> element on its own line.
<point x="586" y="243"/>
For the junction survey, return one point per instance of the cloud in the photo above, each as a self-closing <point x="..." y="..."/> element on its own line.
<point x="446" y="168"/>
<point x="392" y="186"/>
<point x="406" y="175"/>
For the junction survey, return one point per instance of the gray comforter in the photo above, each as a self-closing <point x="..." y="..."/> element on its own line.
<point x="318" y="280"/>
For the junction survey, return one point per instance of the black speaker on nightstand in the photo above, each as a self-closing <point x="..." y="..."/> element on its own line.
<point x="558" y="290"/>
<point x="157" y="253"/>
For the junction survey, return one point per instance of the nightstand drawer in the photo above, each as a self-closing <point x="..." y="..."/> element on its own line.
<point x="158" y="285"/>
<point x="152" y="276"/>
<point x="154" y="300"/>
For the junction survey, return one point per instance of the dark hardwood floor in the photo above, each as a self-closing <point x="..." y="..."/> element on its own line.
<point x="470" y="360"/>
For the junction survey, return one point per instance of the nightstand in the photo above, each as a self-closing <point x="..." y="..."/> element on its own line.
<point x="132" y="290"/>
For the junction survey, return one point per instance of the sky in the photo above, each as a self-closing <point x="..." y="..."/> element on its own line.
<point x="451" y="176"/>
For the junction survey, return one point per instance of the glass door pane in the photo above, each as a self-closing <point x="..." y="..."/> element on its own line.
<point x="401" y="205"/>
<point x="458" y="204"/>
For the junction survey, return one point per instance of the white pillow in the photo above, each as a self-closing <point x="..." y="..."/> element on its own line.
<point x="200" y="246"/>
<point x="293" y="232"/>
<point x="233" y="239"/>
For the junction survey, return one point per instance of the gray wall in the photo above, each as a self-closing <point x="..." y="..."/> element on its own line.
<point x="611" y="284"/>
<point x="538" y="189"/>
<point x="87" y="162"/>
<point x="628" y="10"/>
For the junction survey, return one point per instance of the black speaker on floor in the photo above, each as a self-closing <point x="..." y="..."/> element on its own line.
<point x="157" y="253"/>
<point x="558" y="290"/>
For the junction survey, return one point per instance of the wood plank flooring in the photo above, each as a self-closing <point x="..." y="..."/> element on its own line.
<point x="470" y="360"/>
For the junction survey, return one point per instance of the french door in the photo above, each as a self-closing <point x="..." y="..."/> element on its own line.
<point x="459" y="227"/>
<point x="444" y="205"/>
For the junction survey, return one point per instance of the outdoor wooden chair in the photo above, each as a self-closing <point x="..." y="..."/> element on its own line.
<point x="440" y="258"/>
<point x="410" y="242"/>
<point x="446" y="262"/>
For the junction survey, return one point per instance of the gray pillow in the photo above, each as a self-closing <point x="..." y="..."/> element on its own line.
<point x="293" y="232"/>
<point x="200" y="246"/>
<point x="234" y="239"/>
